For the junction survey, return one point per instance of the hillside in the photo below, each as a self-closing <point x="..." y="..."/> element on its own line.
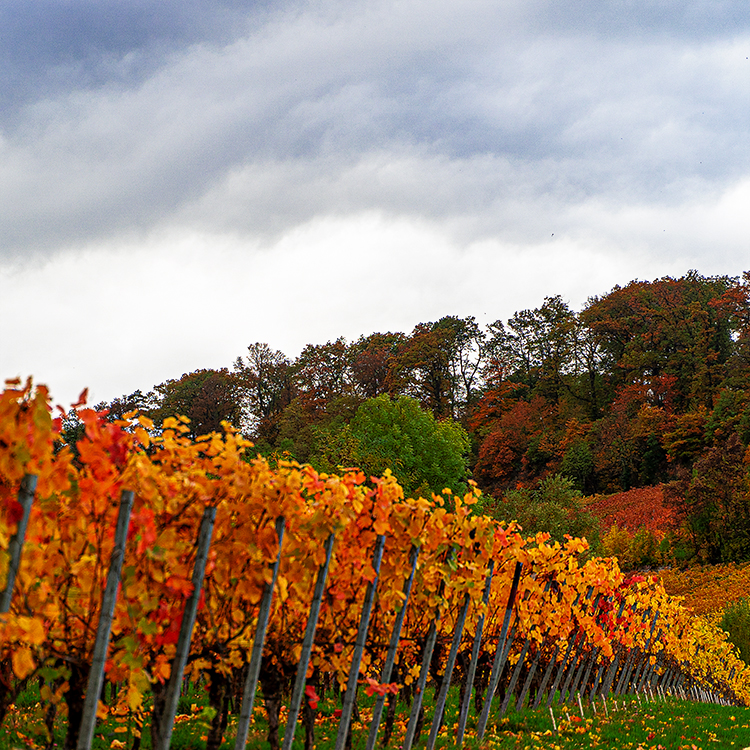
<point x="642" y="506"/>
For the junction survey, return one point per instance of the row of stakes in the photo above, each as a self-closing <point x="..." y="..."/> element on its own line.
<point x="96" y="676"/>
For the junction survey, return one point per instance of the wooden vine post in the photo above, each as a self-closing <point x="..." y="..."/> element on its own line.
<point x="466" y="701"/>
<point x="104" y="629"/>
<point x="411" y="729"/>
<point x="359" y="647"/>
<point x="253" y="671"/>
<point x="186" y="630"/>
<point x="499" y="661"/>
<point x="15" y="546"/>
<point x="390" y="658"/>
<point x="307" y="644"/>
<point x="437" y="719"/>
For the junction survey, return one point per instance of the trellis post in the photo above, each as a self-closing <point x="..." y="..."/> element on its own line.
<point x="307" y="644"/>
<point x="15" y="546"/>
<point x="253" y="671"/>
<point x="186" y="629"/>
<point x="499" y="661"/>
<point x="466" y="702"/>
<point x="104" y="629"/>
<point x="390" y="659"/>
<point x="359" y="646"/>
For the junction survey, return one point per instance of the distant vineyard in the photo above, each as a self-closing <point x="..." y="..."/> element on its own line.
<point x="707" y="590"/>
<point x="644" y="506"/>
<point x="337" y="561"/>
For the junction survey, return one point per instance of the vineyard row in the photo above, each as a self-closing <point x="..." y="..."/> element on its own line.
<point x="186" y="558"/>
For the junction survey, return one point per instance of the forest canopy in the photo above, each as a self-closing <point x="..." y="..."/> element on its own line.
<point x="647" y="384"/>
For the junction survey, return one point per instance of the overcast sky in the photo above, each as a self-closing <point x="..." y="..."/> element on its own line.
<point x="179" y="179"/>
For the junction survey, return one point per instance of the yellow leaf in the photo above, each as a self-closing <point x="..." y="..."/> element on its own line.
<point x="143" y="437"/>
<point x="23" y="662"/>
<point x="135" y="698"/>
<point x="162" y="668"/>
<point x="282" y="583"/>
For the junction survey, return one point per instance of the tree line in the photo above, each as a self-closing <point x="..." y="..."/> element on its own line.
<point x="645" y="384"/>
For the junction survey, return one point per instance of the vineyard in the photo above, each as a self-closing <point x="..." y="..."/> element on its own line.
<point x="148" y="558"/>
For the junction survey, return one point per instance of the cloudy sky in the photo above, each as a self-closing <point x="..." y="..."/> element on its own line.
<point x="179" y="179"/>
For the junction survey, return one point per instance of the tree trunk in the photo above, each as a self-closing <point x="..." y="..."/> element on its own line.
<point x="159" y="691"/>
<point x="271" y="682"/>
<point x="390" y="717"/>
<point x="218" y="699"/>
<point x="74" y="698"/>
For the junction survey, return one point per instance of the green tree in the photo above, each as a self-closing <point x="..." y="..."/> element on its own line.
<point x="425" y="454"/>
<point x="736" y="622"/>
<point x="554" y="506"/>
<point x="578" y="465"/>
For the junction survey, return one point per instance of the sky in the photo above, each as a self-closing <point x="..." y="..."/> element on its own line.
<point x="180" y="179"/>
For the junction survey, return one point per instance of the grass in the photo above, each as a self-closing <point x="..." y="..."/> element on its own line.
<point x="630" y="724"/>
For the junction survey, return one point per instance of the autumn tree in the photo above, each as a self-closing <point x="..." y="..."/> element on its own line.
<point x="373" y="362"/>
<point x="322" y="372"/>
<point x="628" y="442"/>
<point x="267" y="388"/>
<point x="143" y="403"/>
<point x="715" y="503"/>
<point x="682" y="328"/>
<point x="423" y="368"/>
<point x="206" y="397"/>
<point x="536" y="347"/>
<point x="441" y="365"/>
<point x="467" y="354"/>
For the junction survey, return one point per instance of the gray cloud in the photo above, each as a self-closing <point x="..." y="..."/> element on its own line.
<point x="492" y="119"/>
<point x="53" y="45"/>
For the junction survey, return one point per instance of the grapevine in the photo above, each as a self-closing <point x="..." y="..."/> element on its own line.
<point x="575" y="619"/>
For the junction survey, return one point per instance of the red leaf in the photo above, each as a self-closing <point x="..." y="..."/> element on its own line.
<point x="14" y="510"/>
<point x="312" y="697"/>
<point x="81" y="399"/>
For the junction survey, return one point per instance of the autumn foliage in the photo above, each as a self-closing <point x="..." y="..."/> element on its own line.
<point x="643" y="506"/>
<point x="49" y="631"/>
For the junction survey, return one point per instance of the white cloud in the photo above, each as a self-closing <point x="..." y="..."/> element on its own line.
<point x="310" y="101"/>
<point x="136" y="313"/>
<point x="351" y="167"/>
